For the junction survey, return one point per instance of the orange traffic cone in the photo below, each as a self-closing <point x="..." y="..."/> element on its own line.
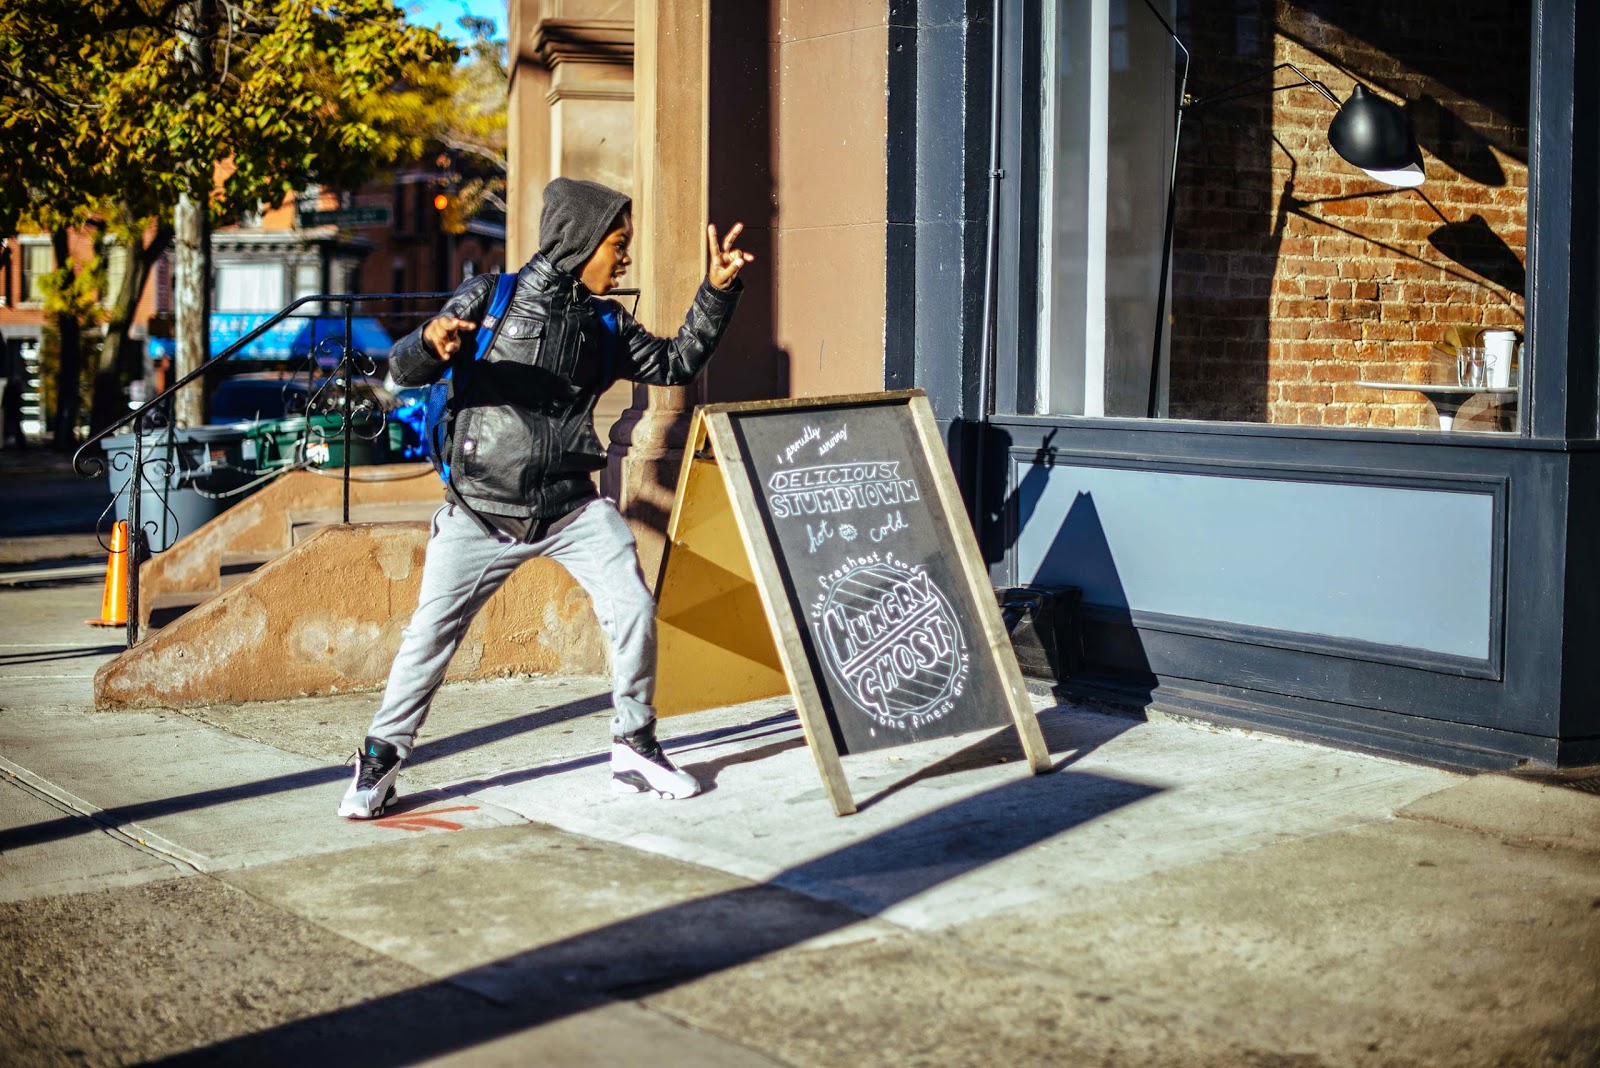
<point x="114" y="602"/>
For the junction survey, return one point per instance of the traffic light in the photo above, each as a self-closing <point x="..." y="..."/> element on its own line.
<point x="452" y="215"/>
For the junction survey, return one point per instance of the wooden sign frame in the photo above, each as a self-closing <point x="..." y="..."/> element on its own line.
<point x="713" y="453"/>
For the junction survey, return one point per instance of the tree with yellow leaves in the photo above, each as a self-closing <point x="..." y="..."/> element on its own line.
<point x="123" y="110"/>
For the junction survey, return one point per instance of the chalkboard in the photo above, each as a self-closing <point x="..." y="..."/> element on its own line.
<point x="879" y="607"/>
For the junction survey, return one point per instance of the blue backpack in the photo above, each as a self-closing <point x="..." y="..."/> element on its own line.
<point x="436" y="405"/>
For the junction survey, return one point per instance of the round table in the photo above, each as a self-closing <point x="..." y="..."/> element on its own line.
<point x="1446" y="400"/>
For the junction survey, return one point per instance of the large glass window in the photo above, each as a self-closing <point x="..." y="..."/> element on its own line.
<point x="1107" y="159"/>
<point x="1300" y="290"/>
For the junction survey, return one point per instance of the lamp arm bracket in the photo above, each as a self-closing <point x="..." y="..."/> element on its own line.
<point x="1172" y="33"/>
<point x="1232" y="92"/>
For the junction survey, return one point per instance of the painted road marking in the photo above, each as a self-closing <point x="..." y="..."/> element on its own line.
<point x="424" y="820"/>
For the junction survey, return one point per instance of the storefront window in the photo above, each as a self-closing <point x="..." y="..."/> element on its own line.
<point x="1107" y="156"/>
<point x="1299" y="287"/>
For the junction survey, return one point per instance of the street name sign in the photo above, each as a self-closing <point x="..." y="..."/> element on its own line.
<point x="345" y="217"/>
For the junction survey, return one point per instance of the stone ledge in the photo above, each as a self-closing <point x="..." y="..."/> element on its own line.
<point x="260" y="522"/>
<point x="325" y="617"/>
<point x="1517" y="811"/>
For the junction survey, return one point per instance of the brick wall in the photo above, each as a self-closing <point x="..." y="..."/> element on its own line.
<point x="1295" y="274"/>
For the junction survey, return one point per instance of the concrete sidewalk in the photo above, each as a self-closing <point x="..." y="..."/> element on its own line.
<point x="177" y="886"/>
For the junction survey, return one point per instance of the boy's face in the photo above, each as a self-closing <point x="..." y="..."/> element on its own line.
<point x="610" y="261"/>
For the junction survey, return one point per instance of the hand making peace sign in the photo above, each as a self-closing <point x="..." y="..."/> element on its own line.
<point x="725" y="259"/>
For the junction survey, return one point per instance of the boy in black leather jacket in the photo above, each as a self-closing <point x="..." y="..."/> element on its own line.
<point x="522" y="450"/>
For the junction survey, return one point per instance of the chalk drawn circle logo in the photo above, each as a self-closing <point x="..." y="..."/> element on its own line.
<point x="892" y="643"/>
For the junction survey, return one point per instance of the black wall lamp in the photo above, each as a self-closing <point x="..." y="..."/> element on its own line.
<point x="1367" y="131"/>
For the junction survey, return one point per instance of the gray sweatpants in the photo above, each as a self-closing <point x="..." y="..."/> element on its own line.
<point x="465" y="565"/>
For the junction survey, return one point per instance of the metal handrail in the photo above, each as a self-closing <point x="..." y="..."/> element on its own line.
<point x="87" y="465"/>
<point x="79" y="458"/>
<point x="93" y="466"/>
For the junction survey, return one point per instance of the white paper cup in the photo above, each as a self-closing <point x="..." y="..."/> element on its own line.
<point x="1501" y="346"/>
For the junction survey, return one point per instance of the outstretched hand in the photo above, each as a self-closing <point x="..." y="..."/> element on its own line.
<point x="444" y="334"/>
<point x="726" y="260"/>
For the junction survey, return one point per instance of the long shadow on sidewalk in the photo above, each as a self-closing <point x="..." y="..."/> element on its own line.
<point x="53" y="655"/>
<point x="688" y="941"/>
<point x="53" y="830"/>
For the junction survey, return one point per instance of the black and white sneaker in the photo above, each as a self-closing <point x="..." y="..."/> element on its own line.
<point x="638" y="766"/>
<point x="372" y="787"/>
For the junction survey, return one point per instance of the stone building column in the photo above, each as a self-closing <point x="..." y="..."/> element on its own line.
<point x="670" y="165"/>
<point x="571" y="104"/>
<point x="527" y="131"/>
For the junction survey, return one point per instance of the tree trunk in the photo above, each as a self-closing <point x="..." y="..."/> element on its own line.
<point x="69" y="369"/>
<point x="191" y="304"/>
<point x="191" y="286"/>
<point x="126" y="291"/>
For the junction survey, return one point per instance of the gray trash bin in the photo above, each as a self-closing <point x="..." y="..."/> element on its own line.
<point x="191" y="475"/>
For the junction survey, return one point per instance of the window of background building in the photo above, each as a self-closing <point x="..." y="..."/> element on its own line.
<point x="249" y="287"/>
<point x="306" y="275"/>
<point x="402" y="218"/>
<point x="1294" y="275"/>
<point x="36" y="259"/>
<point x="164" y="285"/>
<point x="307" y="278"/>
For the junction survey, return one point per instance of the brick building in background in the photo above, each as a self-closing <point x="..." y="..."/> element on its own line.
<point x="27" y="258"/>
<point x="389" y="236"/>
<point x="1294" y="274"/>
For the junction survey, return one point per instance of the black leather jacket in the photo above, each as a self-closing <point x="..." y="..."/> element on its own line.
<point x="521" y="441"/>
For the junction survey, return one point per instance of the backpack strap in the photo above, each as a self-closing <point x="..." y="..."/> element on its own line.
<point x="606" y="311"/>
<point x="437" y="404"/>
<point x="503" y="285"/>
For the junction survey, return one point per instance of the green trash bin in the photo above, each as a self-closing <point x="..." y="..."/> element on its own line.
<point x="318" y="441"/>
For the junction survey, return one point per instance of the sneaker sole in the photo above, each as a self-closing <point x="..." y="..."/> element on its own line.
<point x="631" y="782"/>
<point x="356" y="813"/>
<point x="634" y="773"/>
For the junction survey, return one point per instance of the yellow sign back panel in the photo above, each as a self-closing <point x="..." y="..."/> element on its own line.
<point x="715" y="647"/>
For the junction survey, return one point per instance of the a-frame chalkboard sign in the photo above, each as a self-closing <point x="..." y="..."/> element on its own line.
<point x="820" y="547"/>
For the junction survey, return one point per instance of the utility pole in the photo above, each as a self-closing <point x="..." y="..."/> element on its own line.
<point x="191" y="283"/>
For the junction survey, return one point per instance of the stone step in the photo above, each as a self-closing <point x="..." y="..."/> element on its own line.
<point x="302" y="524"/>
<point x="235" y="567"/>
<point x="168" y="608"/>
